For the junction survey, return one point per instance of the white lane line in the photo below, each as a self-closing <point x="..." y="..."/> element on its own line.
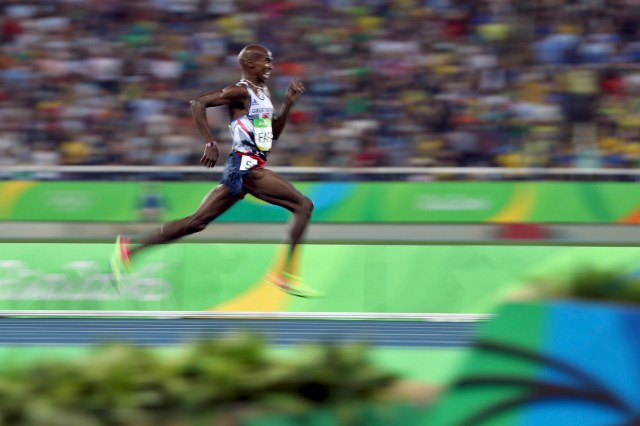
<point x="262" y="315"/>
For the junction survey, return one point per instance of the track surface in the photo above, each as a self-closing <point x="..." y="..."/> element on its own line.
<point x="160" y="332"/>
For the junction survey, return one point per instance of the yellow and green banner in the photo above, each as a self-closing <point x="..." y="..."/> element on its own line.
<point x="335" y="202"/>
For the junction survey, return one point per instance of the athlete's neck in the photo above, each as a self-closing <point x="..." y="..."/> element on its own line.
<point x="255" y="85"/>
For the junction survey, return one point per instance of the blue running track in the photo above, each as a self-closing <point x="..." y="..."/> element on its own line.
<point x="159" y="332"/>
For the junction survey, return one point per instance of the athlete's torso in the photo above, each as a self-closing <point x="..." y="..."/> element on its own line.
<point x="252" y="133"/>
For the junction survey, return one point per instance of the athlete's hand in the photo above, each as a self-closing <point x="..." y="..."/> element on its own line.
<point x="210" y="156"/>
<point x="295" y="89"/>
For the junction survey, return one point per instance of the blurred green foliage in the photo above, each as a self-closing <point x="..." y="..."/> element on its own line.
<point x="587" y="282"/>
<point x="227" y="381"/>
<point x="599" y="284"/>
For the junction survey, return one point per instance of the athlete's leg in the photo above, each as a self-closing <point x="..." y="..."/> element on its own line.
<point x="215" y="203"/>
<point x="274" y="189"/>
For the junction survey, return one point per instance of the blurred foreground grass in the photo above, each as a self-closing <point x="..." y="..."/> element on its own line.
<point x="232" y="381"/>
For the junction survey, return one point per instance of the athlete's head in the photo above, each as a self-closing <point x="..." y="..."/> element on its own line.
<point x="256" y="61"/>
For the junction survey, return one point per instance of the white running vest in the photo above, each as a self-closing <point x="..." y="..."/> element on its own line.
<point x="252" y="133"/>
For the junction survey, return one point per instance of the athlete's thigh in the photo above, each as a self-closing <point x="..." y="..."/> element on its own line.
<point x="216" y="202"/>
<point x="269" y="186"/>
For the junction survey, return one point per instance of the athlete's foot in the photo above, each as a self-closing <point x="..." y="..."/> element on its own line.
<point x="292" y="284"/>
<point x="120" y="261"/>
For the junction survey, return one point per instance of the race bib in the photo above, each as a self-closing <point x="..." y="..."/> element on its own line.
<point x="263" y="132"/>
<point x="247" y="162"/>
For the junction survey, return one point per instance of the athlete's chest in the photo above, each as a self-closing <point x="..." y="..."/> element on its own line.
<point x="260" y="106"/>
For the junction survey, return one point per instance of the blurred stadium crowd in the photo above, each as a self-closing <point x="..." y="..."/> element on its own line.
<point x="551" y="83"/>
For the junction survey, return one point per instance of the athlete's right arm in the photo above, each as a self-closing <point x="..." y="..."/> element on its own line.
<point x="228" y="96"/>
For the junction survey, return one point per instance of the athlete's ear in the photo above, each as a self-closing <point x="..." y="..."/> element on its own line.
<point x="246" y="62"/>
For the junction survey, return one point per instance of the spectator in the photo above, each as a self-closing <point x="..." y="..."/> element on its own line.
<point x="399" y="83"/>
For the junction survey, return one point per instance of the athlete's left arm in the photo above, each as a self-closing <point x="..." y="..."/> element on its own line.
<point x="295" y="89"/>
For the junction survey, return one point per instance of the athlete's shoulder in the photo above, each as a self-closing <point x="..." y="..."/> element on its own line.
<point x="235" y="91"/>
<point x="239" y="86"/>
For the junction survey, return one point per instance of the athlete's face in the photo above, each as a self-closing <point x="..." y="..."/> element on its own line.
<point x="263" y="65"/>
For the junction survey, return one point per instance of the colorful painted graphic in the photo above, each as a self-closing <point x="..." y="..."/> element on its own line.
<point x="231" y="277"/>
<point x="562" y="363"/>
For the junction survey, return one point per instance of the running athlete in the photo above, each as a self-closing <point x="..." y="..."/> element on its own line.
<point x="253" y="126"/>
